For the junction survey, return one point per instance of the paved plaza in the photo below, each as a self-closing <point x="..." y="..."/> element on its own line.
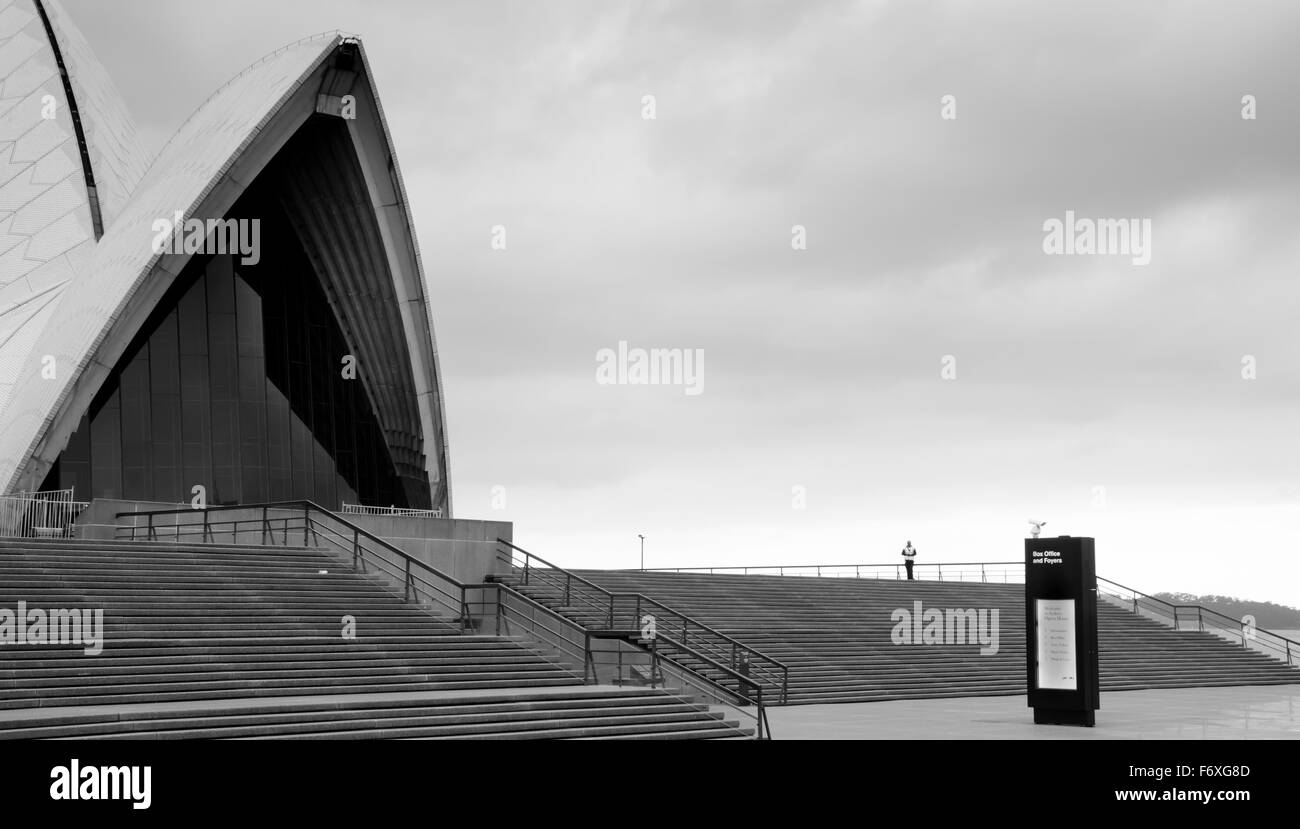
<point x="1234" y="713"/>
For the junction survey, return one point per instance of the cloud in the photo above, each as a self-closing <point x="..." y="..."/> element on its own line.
<point x="924" y="240"/>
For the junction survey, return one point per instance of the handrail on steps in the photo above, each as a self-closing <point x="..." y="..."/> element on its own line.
<point x="756" y="658"/>
<point x="415" y="573"/>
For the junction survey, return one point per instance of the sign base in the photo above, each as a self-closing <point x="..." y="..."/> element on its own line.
<point x="1065" y="716"/>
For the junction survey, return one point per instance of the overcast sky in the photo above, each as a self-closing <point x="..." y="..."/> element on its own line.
<point x="823" y="367"/>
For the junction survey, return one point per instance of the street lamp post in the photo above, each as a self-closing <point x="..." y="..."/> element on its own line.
<point x="642" y="537"/>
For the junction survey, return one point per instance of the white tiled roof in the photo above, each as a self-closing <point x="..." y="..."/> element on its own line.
<point x="191" y="164"/>
<point x="45" y="221"/>
<point x="116" y="157"/>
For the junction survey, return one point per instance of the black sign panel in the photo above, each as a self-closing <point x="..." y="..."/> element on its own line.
<point x="1061" y="623"/>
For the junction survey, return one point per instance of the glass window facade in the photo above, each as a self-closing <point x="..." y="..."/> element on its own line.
<point x="236" y="383"/>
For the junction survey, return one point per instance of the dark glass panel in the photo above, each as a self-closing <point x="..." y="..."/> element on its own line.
<point x="221" y="284"/>
<point x="196" y="403"/>
<point x="223" y="375"/>
<point x="346" y="494"/>
<point x="322" y="412"/>
<point x="302" y="447"/>
<point x="193" y="309"/>
<point x="165" y="410"/>
<point x="252" y="393"/>
<point x="106" y="448"/>
<point x="278" y="424"/>
<point x="366" y="451"/>
<point x="279" y="468"/>
<point x="345" y="442"/>
<point x="137" y="439"/>
<point x="74" y="467"/>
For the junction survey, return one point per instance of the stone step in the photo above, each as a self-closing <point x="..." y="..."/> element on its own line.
<point x="225" y="641"/>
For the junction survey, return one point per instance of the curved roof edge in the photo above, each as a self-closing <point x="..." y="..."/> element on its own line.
<point x="117" y="161"/>
<point x="442" y="444"/>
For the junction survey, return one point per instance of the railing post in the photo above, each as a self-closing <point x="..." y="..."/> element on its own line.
<point x="356" y="548"/>
<point x="407" y="585"/>
<point x="265" y="527"/>
<point x="568" y="587"/>
<point x="306" y="523"/>
<point x="588" y="665"/>
<point x="610" y="620"/>
<point x="500" y="601"/>
<point x="654" y="662"/>
<point x="983" y="578"/>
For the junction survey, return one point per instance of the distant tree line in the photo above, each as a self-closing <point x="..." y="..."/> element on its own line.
<point x="1267" y="614"/>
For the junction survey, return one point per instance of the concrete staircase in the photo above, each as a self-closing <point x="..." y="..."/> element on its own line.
<point x="835" y="636"/>
<point x="571" y="712"/>
<point x="246" y="641"/>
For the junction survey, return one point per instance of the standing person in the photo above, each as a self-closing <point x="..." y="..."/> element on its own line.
<point x="909" y="553"/>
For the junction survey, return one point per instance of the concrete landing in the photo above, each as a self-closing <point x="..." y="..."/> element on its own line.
<point x="1235" y="713"/>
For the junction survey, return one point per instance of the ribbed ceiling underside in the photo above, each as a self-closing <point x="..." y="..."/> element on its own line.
<point x="323" y="190"/>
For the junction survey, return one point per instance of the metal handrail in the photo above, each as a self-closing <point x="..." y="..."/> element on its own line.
<point x="579" y="655"/>
<point x="44" y="514"/>
<point x="411" y="572"/>
<point x="645" y="602"/>
<point x="960" y="567"/>
<point x="625" y="594"/>
<point x="1290" y="647"/>
<point x="763" y="728"/>
<point x="570" y="596"/>
<point x="393" y="512"/>
<point x="806" y="566"/>
<point x="411" y="569"/>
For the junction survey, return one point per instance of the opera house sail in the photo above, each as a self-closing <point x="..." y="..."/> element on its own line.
<point x="246" y="312"/>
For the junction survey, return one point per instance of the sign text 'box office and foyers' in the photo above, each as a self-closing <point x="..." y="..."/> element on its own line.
<point x="1061" y="625"/>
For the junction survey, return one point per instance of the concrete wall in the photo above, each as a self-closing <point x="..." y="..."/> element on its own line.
<point x="463" y="549"/>
<point x="99" y="520"/>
